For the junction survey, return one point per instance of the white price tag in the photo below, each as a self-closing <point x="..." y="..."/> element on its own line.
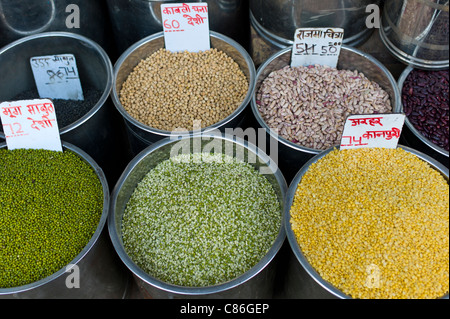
<point x="372" y="130"/>
<point x="317" y="46"/>
<point x="56" y="77"/>
<point x="186" y="26"/>
<point x="30" y="124"/>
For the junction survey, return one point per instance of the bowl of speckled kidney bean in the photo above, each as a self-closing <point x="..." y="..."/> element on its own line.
<point x="425" y="103"/>
<point x="305" y="108"/>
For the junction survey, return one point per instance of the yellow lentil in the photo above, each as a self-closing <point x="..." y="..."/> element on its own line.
<point x="375" y="223"/>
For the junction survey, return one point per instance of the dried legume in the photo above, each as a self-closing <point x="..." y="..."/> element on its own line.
<point x="375" y="223"/>
<point x="67" y="111"/>
<point x="309" y="105"/>
<point x="50" y="206"/>
<point x="200" y="220"/>
<point x="171" y="90"/>
<point x="426" y="104"/>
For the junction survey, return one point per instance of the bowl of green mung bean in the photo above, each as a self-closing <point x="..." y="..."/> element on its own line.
<point x="53" y="209"/>
<point x="370" y="223"/>
<point x="201" y="217"/>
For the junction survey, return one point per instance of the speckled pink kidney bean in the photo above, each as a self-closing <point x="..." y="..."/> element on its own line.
<point x="309" y="105"/>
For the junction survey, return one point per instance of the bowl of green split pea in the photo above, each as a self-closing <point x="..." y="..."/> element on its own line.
<point x="200" y="217"/>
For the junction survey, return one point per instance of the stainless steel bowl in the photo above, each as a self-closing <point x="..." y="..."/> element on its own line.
<point x="100" y="132"/>
<point x="292" y="156"/>
<point x="258" y="282"/>
<point x="145" y="47"/>
<point x="303" y="280"/>
<point x="101" y="275"/>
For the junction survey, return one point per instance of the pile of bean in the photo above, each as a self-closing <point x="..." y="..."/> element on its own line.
<point x="171" y="90"/>
<point x="375" y="223"/>
<point x="200" y="220"/>
<point x="425" y="103"/>
<point x="67" y="111"/>
<point x="50" y="206"/>
<point x="309" y="105"/>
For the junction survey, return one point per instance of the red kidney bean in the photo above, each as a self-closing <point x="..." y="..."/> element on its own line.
<point x="426" y="104"/>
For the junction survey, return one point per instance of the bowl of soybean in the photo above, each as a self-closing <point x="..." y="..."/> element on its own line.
<point x="369" y="223"/>
<point x="158" y="91"/>
<point x="53" y="208"/>
<point x="200" y="217"/>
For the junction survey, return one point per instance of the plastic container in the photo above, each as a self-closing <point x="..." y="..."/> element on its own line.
<point x="140" y="135"/>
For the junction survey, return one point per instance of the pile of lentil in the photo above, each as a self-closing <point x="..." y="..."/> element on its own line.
<point x="375" y="223"/>
<point x="171" y="90"/>
<point x="50" y="206"/>
<point x="309" y="105"/>
<point x="200" y="220"/>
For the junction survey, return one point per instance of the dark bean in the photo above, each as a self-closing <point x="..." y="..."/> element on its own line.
<point x="67" y="111"/>
<point x="426" y="104"/>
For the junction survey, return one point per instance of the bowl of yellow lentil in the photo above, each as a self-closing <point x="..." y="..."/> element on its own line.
<point x="203" y="223"/>
<point x="369" y="223"/>
<point x="158" y="91"/>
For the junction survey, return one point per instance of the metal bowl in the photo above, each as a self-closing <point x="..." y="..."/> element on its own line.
<point x="414" y="137"/>
<point x="306" y="275"/>
<point x="255" y="283"/>
<point x="100" y="273"/>
<point x="145" y="47"/>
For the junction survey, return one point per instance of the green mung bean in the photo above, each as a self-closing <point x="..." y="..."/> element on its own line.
<point x="50" y="206"/>
<point x="200" y="220"/>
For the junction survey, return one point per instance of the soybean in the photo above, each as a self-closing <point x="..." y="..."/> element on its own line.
<point x="200" y="220"/>
<point x="50" y="206"/>
<point x="375" y="223"/>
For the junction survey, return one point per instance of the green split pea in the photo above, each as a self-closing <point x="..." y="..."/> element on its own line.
<point x="50" y="206"/>
<point x="198" y="220"/>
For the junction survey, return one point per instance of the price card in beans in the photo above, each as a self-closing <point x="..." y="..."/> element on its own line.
<point x="372" y="130"/>
<point x="186" y="26"/>
<point x="320" y="46"/>
<point x="30" y="124"/>
<point x="56" y="77"/>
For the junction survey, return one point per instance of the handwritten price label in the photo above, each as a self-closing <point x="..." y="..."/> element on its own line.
<point x="373" y="130"/>
<point x="30" y="124"/>
<point x="317" y="46"/>
<point x="186" y="27"/>
<point x="56" y="77"/>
